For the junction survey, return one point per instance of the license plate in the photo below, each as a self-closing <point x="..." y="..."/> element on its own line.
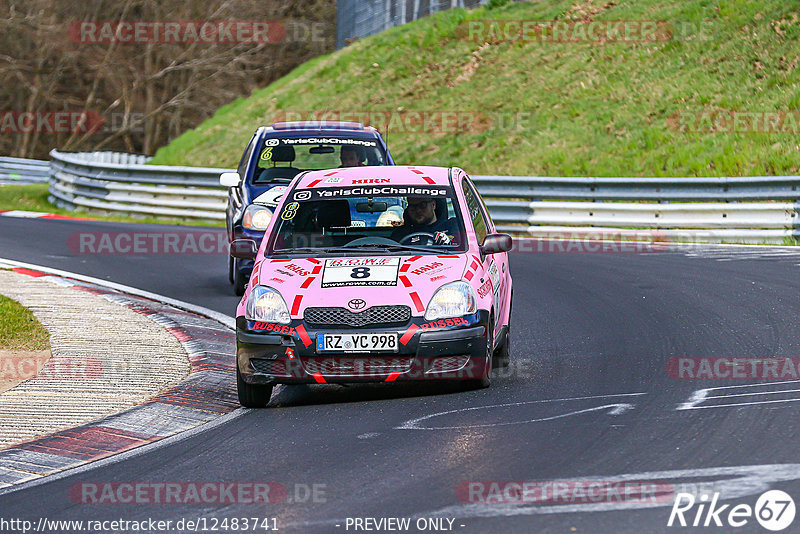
<point x="382" y="342"/>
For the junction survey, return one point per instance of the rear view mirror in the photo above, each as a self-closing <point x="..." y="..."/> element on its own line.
<point x="371" y="207"/>
<point x="229" y="179"/>
<point x="244" y="249"/>
<point x="321" y="150"/>
<point x="494" y="243"/>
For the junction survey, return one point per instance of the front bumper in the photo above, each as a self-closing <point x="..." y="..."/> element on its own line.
<point x="288" y="354"/>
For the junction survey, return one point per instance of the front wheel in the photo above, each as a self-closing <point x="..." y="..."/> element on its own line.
<point x="502" y="356"/>
<point x="485" y="382"/>
<point x="252" y="395"/>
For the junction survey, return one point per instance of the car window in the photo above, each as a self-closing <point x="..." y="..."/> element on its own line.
<point x="246" y="157"/>
<point x="475" y="211"/>
<point x="285" y="158"/>
<point x="351" y="216"/>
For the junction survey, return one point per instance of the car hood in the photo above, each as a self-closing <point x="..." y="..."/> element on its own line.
<point x="375" y="280"/>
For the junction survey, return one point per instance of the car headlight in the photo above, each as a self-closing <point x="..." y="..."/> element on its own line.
<point x="256" y="217"/>
<point x="266" y="304"/>
<point x="452" y="300"/>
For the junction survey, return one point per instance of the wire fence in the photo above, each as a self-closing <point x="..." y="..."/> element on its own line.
<point x="360" y="18"/>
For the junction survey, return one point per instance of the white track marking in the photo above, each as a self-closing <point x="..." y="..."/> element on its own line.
<point x="614" y="409"/>
<point x="699" y="396"/>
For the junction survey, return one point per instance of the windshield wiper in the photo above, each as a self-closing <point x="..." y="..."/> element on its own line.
<point x="389" y="247"/>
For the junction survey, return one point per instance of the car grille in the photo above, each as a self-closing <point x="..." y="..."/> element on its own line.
<point x="357" y="366"/>
<point x="374" y="316"/>
<point x="270" y="367"/>
<point x="444" y="364"/>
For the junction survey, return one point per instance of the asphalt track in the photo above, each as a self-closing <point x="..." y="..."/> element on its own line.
<point x="588" y="399"/>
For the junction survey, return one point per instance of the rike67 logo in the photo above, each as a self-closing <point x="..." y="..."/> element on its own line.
<point x="774" y="510"/>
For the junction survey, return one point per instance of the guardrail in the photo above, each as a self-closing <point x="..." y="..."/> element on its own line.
<point x="118" y="182"/>
<point x="23" y="171"/>
<point x="740" y="209"/>
<point x="761" y="209"/>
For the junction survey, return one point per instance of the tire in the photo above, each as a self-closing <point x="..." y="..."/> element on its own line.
<point x="502" y="356"/>
<point x="485" y="382"/>
<point x="252" y="395"/>
<point x="239" y="280"/>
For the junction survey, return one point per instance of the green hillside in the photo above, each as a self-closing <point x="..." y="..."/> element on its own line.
<point x="564" y="105"/>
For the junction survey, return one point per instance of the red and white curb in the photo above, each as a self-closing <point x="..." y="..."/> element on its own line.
<point x="20" y="214"/>
<point x="206" y="394"/>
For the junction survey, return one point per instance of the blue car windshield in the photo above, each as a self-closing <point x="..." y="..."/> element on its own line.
<point x="285" y="158"/>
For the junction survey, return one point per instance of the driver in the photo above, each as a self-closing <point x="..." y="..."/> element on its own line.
<point x="349" y="157"/>
<point x="420" y="216"/>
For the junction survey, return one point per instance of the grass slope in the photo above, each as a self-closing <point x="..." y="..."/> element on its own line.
<point x="19" y="329"/>
<point x="596" y="109"/>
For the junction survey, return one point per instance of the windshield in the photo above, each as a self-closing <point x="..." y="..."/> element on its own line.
<point x="342" y="220"/>
<point x="285" y="158"/>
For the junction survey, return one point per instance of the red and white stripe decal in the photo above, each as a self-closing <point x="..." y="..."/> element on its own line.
<point x="315" y="182"/>
<point x="307" y="282"/>
<point x="392" y="377"/>
<point x="417" y="302"/>
<point x="409" y="334"/>
<point x="301" y="331"/>
<point x="429" y="180"/>
<point x="296" y="304"/>
<point x="319" y="378"/>
<point x="405" y="280"/>
<point x="316" y="269"/>
<point x="415" y="171"/>
<point x="469" y="275"/>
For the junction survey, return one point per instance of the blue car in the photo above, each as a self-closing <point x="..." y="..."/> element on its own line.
<point x="273" y="157"/>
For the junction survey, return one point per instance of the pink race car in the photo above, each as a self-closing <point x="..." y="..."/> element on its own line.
<point x="374" y="274"/>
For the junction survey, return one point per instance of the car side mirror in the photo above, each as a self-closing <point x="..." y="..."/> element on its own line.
<point x="230" y="179"/>
<point x="244" y="249"/>
<point x="494" y="243"/>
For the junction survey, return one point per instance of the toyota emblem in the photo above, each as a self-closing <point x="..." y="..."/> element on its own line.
<point x="356" y="304"/>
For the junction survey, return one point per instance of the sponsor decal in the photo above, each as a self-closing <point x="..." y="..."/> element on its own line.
<point x="429" y="268"/>
<point x="297" y="269"/>
<point x="371" y="191"/>
<point x="444" y="323"/>
<point x="277" y="328"/>
<point x="327" y="141"/>
<point x="371" y="181"/>
<point x="333" y="180"/>
<point x="434" y="278"/>
<point x="494" y="276"/>
<point x="276" y="279"/>
<point x="360" y="272"/>
<point x="485" y="288"/>
<point x="271" y="142"/>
